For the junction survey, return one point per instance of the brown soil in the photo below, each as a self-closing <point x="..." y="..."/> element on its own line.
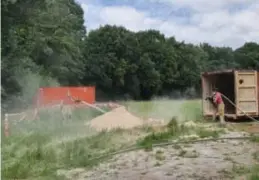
<point x="117" y="118"/>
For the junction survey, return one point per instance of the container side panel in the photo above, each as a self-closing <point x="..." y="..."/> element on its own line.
<point x="56" y="95"/>
<point x="246" y="92"/>
<point x="258" y="91"/>
<point x="203" y="95"/>
<point x="206" y="91"/>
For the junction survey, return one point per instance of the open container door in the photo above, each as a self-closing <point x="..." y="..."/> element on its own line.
<point x="246" y="93"/>
<point x="206" y="89"/>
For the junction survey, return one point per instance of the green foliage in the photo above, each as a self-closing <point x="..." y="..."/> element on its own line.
<point x="173" y="131"/>
<point x="255" y="138"/>
<point x="36" y="156"/>
<point x="47" y="40"/>
<point x="40" y="40"/>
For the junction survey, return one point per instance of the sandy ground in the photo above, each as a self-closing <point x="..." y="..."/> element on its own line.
<point x="117" y="118"/>
<point x="207" y="160"/>
<point x="120" y="118"/>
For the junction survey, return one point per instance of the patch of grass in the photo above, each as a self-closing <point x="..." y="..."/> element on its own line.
<point x="182" y="152"/>
<point x="36" y="149"/>
<point x="188" y="154"/>
<point x="173" y="131"/>
<point x="166" y="108"/>
<point x="237" y="169"/>
<point x="177" y="146"/>
<point x="204" y="133"/>
<point x="158" y="164"/>
<point x="252" y="173"/>
<point x="255" y="138"/>
<point x="34" y="155"/>
<point x="254" y="176"/>
<point x="256" y="155"/>
<point x="160" y="155"/>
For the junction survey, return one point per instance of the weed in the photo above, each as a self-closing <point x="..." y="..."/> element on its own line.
<point x="254" y="173"/>
<point x="237" y="169"/>
<point x="182" y="153"/>
<point x="173" y="124"/>
<point x="255" y="138"/>
<point x="173" y="131"/>
<point x="193" y="154"/>
<point x="256" y="155"/>
<point x="190" y="154"/>
<point x="159" y="152"/>
<point x="203" y="133"/>
<point x="159" y="155"/>
<point x="177" y="146"/>
<point x="251" y="172"/>
<point x="229" y="159"/>
<point x="158" y="164"/>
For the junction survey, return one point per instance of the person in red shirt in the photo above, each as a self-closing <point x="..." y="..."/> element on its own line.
<point x="219" y="106"/>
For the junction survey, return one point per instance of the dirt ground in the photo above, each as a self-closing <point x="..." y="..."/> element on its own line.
<point x="207" y="160"/>
<point x="213" y="160"/>
<point x="250" y="127"/>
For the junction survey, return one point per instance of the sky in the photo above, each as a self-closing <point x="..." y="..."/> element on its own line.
<point x="219" y="22"/>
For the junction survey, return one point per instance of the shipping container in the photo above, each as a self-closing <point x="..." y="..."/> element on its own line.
<point x="47" y="96"/>
<point x="240" y="86"/>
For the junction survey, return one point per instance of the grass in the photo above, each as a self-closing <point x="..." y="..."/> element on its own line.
<point x="252" y="173"/>
<point x="255" y="138"/>
<point x="159" y="156"/>
<point x="37" y="149"/>
<point x="174" y="131"/>
<point x="51" y="123"/>
<point x="203" y="133"/>
<point x="165" y="109"/>
<point x="35" y="155"/>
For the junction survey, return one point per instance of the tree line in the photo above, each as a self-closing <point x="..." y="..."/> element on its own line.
<point x="45" y="43"/>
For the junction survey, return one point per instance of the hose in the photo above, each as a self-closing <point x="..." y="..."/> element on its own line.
<point x="231" y="102"/>
<point x="134" y="147"/>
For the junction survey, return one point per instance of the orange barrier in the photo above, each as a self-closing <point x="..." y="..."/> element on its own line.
<point x="54" y="95"/>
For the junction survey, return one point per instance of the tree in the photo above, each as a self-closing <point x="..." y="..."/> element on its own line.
<point x="247" y="56"/>
<point x="41" y="37"/>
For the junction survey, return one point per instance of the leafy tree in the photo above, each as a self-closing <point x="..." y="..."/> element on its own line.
<point x="247" y="56"/>
<point x="41" y="37"/>
<point x="44" y="42"/>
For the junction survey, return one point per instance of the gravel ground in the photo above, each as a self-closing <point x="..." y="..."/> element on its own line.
<point x="199" y="161"/>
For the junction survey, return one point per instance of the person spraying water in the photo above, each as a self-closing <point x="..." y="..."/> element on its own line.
<point x="219" y="106"/>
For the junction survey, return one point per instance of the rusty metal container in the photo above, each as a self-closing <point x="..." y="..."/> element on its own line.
<point x="47" y="96"/>
<point x="240" y="86"/>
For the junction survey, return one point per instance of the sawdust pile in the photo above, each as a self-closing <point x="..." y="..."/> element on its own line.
<point x="117" y="118"/>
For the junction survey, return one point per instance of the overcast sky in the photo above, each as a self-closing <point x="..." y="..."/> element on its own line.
<point x="218" y="22"/>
